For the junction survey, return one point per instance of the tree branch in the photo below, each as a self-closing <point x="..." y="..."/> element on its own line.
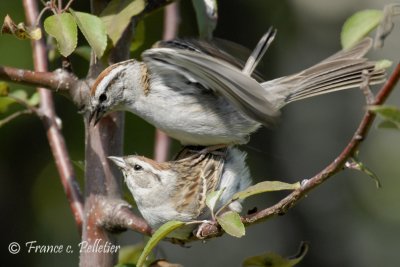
<point x="103" y="197"/>
<point x="49" y="118"/>
<point x="58" y="80"/>
<point x="338" y="164"/>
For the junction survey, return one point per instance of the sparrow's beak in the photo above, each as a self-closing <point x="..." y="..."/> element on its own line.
<point x="119" y="161"/>
<point x="96" y="115"/>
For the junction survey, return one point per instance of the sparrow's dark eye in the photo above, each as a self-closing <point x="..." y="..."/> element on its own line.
<point x="102" y="97"/>
<point x="137" y="167"/>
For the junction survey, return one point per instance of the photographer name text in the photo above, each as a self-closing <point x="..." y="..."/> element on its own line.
<point x="98" y="246"/>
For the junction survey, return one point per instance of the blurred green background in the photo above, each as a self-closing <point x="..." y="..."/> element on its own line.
<point x="347" y="221"/>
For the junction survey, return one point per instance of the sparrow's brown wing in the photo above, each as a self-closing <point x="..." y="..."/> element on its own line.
<point x="200" y="174"/>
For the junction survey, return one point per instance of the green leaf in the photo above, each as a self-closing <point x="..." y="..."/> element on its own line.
<point x="21" y="94"/>
<point x="130" y="254"/>
<point x="390" y="114"/>
<point x="355" y="164"/>
<point x="63" y="28"/>
<point x="7" y="101"/>
<point x="34" y="100"/>
<point x="383" y="64"/>
<point x="161" y="232"/>
<point x="232" y="224"/>
<point x="213" y="198"/>
<point x="207" y="16"/>
<point x="139" y="37"/>
<point x="266" y="186"/>
<point x="271" y="259"/>
<point x="93" y="29"/>
<point x="359" y="25"/>
<point x="84" y="52"/>
<point x="388" y="125"/>
<point x="117" y="16"/>
<point x="4" y="89"/>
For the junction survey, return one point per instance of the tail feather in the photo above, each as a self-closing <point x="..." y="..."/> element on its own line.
<point x="259" y="51"/>
<point x="343" y="70"/>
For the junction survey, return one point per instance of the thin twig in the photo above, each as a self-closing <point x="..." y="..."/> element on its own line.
<point x="337" y="165"/>
<point x="68" y="5"/>
<point x="59" y="7"/>
<point x="14" y="116"/>
<point x="25" y="103"/>
<point x="49" y="118"/>
<point x="162" y="142"/>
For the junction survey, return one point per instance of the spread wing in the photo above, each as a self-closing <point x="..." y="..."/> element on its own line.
<point x="218" y="75"/>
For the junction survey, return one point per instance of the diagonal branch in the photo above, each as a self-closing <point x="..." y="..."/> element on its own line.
<point x="211" y="230"/>
<point x="337" y="165"/>
<point x="49" y="118"/>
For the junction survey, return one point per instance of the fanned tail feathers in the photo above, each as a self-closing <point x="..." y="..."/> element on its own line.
<point x="342" y="70"/>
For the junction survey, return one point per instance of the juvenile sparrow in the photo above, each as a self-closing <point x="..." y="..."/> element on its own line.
<point x="201" y="95"/>
<point x="177" y="190"/>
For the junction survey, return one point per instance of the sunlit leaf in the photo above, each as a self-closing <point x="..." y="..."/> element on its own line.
<point x="21" y="94"/>
<point x="63" y="28"/>
<point x="4" y="89"/>
<point x="117" y="16"/>
<point x="207" y="16"/>
<point x="20" y="31"/>
<point x="7" y="101"/>
<point x="359" y="25"/>
<point x="271" y="259"/>
<point x="161" y="232"/>
<point x="383" y="64"/>
<point x="232" y="224"/>
<point x="390" y="114"/>
<point x="34" y="100"/>
<point x="266" y="186"/>
<point x="93" y="29"/>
